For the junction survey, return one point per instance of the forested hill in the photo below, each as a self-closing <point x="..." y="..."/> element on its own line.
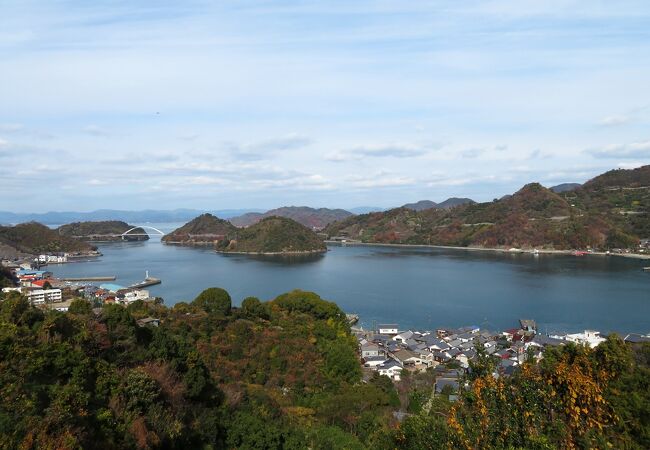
<point x="274" y="235"/>
<point x="282" y="374"/>
<point x="610" y="211"/>
<point x="285" y="375"/>
<point x="34" y="238"/>
<point x="204" y="229"/>
<point x="310" y="217"/>
<point x="101" y="230"/>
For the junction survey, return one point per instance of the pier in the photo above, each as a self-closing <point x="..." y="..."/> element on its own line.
<point x="113" y="278"/>
<point x="149" y="281"/>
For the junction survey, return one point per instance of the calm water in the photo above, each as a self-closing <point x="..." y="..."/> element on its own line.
<point x="416" y="288"/>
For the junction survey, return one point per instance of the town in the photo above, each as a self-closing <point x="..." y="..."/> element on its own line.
<point x="42" y="289"/>
<point x="449" y="351"/>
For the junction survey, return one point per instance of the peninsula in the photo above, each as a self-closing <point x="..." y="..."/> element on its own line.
<point x="274" y="235"/>
<point x="33" y="238"/>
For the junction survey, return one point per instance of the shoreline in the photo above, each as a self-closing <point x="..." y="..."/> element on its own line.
<point x="486" y="249"/>
<point x="296" y="253"/>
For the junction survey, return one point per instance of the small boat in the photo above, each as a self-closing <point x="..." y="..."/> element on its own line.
<point x="646" y="269"/>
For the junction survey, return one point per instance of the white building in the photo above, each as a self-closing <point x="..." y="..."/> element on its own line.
<point x="42" y="296"/>
<point x="588" y="337"/>
<point x="135" y="295"/>
<point x="388" y="329"/>
<point x="391" y="369"/>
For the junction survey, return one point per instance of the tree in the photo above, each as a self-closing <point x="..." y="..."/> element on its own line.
<point x="252" y="308"/>
<point x="214" y="300"/>
<point x="80" y="306"/>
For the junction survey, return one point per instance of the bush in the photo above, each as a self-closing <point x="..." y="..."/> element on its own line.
<point x="214" y="300"/>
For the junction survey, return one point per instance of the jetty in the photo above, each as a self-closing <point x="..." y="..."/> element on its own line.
<point x="113" y="278"/>
<point x="148" y="281"/>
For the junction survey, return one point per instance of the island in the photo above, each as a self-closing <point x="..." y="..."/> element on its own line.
<point x="205" y="229"/>
<point x="103" y="231"/>
<point x="32" y="238"/>
<point x="273" y="235"/>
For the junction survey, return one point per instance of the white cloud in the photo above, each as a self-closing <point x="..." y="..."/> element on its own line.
<point x="613" y="121"/>
<point x="634" y="150"/>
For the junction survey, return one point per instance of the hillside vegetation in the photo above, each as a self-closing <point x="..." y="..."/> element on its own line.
<point x="610" y="211"/>
<point x="309" y="217"/>
<point x="205" y="229"/>
<point x="34" y="238"/>
<point x="285" y="374"/>
<point x="274" y="235"/>
<point x="101" y="230"/>
<point x="282" y="374"/>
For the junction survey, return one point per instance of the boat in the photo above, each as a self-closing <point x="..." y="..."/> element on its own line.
<point x="646" y="269"/>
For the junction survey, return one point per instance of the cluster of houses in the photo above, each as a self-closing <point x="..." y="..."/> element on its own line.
<point x="44" y="290"/>
<point x="390" y="352"/>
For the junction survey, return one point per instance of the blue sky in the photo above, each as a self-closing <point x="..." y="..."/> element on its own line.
<point x="258" y="104"/>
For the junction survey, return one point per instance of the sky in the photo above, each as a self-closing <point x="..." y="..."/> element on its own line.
<point x="163" y="104"/>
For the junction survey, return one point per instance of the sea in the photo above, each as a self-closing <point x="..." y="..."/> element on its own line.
<point x="416" y="288"/>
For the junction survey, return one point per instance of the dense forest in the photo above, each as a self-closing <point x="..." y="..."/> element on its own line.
<point x="608" y="212"/>
<point x="285" y="374"/>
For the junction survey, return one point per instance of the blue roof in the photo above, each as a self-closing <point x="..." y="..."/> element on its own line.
<point x="111" y="287"/>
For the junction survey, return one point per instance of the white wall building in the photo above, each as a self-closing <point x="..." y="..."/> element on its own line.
<point x="42" y="296"/>
<point x="388" y="329"/>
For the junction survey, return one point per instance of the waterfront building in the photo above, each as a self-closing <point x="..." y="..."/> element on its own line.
<point x="390" y="329"/>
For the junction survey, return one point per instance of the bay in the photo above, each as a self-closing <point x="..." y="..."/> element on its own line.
<point x="416" y="288"/>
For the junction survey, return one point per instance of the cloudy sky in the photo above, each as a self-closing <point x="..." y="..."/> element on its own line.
<point x="258" y="104"/>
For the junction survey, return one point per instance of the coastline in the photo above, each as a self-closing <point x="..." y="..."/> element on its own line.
<point x="304" y="252"/>
<point x="486" y="249"/>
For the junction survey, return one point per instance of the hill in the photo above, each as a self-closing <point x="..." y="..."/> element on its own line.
<point x="274" y="235"/>
<point x="447" y="204"/>
<point x="310" y="217"/>
<point x="205" y="229"/>
<point x="108" y="230"/>
<point x="420" y="205"/>
<point x="565" y="187"/>
<point x="34" y="238"/>
<point x="607" y="212"/>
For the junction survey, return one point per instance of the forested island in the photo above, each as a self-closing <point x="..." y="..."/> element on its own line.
<point x="273" y="235"/>
<point x="286" y="374"/>
<point x="100" y="231"/>
<point x="205" y="229"/>
<point x="33" y="238"/>
<point x="607" y="212"/>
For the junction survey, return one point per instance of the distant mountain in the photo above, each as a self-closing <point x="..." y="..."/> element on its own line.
<point x="309" y="217"/>
<point x="428" y="204"/>
<point x="205" y="229"/>
<point x="34" y="238"/>
<point x="274" y="235"/>
<point x="610" y="211"/>
<point x="421" y="205"/>
<point x="565" y="187"/>
<point x="108" y="230"/>
<point x="365" y="209"/>
<point x="149" y="215"/>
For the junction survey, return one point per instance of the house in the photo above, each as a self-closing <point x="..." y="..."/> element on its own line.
<point x="631" y="338"/>
<point x="132" y="295"/>
<point x="369" y="350"/>
<point x="374" y="361"/>
<point x="391" y="369"/>
<point x="403" y="337"/>
<point x="407" y="357"/>
<point x="148" y="321"/>
<point x="390" y="329"/>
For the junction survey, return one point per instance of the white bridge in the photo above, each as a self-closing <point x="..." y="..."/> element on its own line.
<point x="128" y="232"/>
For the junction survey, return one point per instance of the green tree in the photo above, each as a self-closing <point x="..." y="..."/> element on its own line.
<point x="214" y="300"/>
<point x="80" y="306"/>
